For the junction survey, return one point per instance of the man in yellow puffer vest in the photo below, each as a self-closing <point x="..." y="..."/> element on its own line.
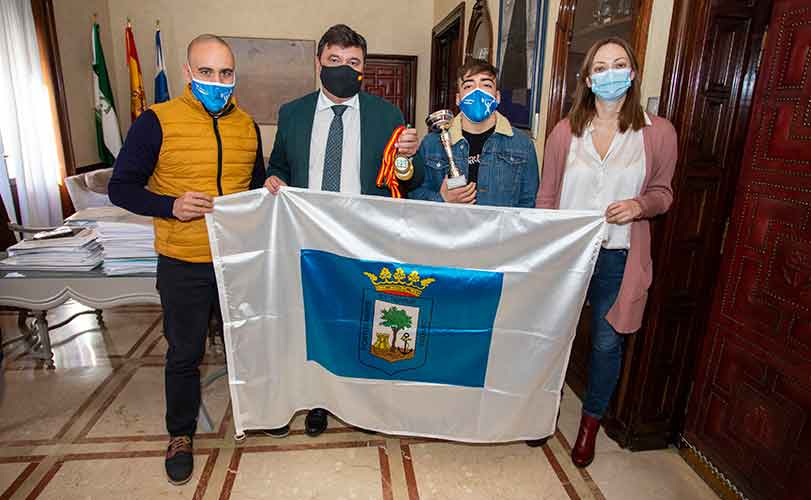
<point x="177" y="156"/>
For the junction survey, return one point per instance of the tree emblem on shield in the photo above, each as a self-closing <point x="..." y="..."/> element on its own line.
<point x="395" y="347"/>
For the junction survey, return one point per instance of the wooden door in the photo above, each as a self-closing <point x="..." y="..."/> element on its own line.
<point x="446" y="57"/>
<point x="394" y="78"/>
<point x="750" y="409"/>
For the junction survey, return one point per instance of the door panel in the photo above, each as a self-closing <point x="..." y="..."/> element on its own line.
<point x="394" y="78"/>
<point x="750" y="411"/>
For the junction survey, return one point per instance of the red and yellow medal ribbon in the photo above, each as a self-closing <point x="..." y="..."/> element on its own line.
<point x="386" y="173"/>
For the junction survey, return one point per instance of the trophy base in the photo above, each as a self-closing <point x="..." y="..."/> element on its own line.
<point x="456" y="182"/>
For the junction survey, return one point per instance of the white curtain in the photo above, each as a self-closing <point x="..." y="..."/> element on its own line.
<point x="26" y="120"/>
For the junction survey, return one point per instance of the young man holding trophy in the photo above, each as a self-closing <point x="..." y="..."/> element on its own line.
<point x="342" y="139"/>
<point x="477" y="156"/>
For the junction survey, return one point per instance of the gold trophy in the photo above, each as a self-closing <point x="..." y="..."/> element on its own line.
<point x="440" y="121"/>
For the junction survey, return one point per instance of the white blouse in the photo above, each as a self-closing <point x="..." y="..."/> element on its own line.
<point x="593" y="183"/>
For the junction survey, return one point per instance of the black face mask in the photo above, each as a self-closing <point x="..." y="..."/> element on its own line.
<point x="341" y="81"/>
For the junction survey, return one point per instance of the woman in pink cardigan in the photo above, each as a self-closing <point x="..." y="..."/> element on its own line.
<point x="608" y="155"/>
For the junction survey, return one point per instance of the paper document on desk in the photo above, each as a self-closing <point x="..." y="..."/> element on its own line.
<point x="401" y="316"/>
<point x="81" y="252"/>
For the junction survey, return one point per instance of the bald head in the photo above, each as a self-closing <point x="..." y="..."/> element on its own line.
<point x="206" y="39"/>
<point x="209" y="59"/>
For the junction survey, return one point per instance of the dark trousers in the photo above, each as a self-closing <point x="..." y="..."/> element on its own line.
<point x="188" y="294"/>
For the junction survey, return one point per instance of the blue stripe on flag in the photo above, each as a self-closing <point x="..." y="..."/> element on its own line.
<point x="161" y="88"/>
<point x="439" y="319"/>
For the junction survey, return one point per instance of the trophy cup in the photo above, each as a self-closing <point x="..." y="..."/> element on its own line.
<point x="440" y="121"/>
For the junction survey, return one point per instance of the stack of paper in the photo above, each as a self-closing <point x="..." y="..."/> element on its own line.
<point x="128" y="239"/>
<point x="80" y="252"/>
<point x="129" y="247"/>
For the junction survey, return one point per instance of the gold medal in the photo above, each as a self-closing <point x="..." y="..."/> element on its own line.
<point x="403" y="168"/>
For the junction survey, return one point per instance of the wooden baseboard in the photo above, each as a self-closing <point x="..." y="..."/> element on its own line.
<point x="655" y="439"/>
<point x="714" y="478"/>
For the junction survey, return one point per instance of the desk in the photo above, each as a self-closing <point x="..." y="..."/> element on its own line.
<point x="43" y="290"/>
<point x="39" y="291"/>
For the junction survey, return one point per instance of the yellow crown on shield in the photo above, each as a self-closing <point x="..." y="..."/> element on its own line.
<point x="399" y="283"/>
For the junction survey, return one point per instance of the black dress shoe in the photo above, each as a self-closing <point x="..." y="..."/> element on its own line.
<point x="365" y="431"/>
<point x="535" y="443"/>
<point x="316" y="422"/>
<point x="278" y="432"/>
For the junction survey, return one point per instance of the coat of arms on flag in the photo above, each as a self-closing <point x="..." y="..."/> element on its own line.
<point x="392" y="339"/>
<point x="398" y="321"/>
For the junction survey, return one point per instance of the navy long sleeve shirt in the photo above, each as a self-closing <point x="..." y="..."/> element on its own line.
<point x="136" y="162"/>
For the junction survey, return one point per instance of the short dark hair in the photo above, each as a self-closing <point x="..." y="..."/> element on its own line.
<point x="474" y="67"/>
<point x="342" y="36"/>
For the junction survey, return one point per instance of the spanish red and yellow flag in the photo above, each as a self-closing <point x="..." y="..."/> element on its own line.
<point x="137" y="96"/>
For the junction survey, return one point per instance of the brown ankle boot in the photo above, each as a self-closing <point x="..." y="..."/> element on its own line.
<point x="583" y="450"/>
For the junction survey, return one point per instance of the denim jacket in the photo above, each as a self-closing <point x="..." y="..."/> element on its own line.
<point x="508" y="172"/>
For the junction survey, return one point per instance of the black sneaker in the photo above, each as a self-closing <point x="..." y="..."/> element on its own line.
<point x="316" y="422"/>
<point x="278" y="432"/>
<point x="179" y="460"/>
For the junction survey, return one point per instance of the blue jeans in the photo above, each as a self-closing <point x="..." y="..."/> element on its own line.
<point x="606" y="343"/>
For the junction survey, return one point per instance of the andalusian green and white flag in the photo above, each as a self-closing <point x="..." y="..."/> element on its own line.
<point x="108" y="135"/>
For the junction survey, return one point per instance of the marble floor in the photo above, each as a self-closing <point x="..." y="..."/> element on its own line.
<point x="93" y="428"/>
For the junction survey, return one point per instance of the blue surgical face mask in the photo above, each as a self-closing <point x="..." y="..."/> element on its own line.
<point x="214" y="96"/>
<point x="477" y="105"/>
<point x="612" y="84"/>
